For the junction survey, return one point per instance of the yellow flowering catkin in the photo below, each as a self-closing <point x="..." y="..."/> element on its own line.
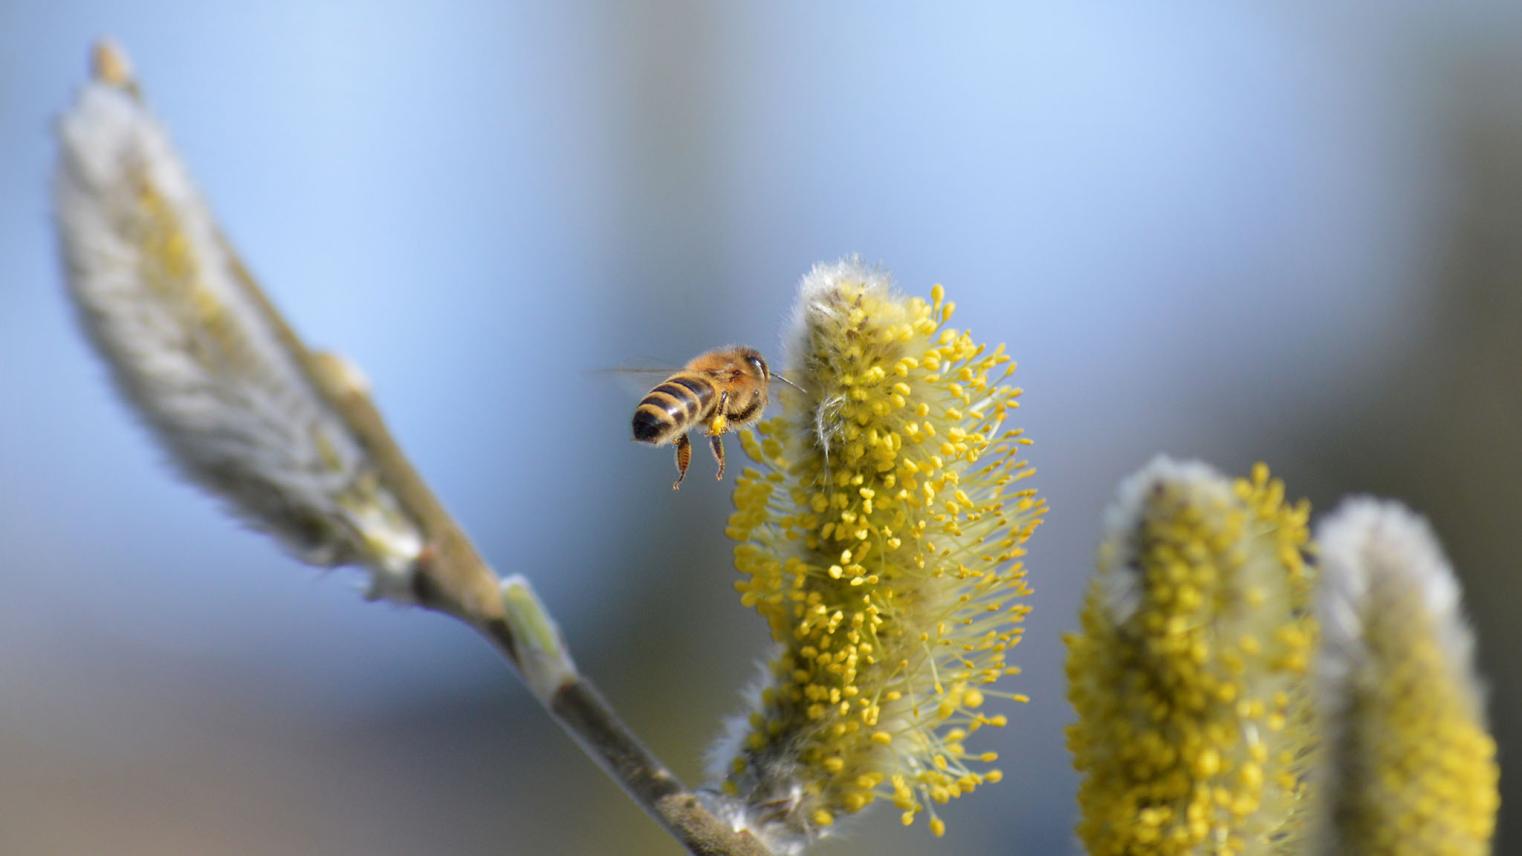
<point x="1189" y="672"/>
<point x="880" y="536"/>
<point x="1409" y="765"/>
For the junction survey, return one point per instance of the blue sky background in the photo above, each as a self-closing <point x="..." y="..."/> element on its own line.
<point x="1239" y="233"/>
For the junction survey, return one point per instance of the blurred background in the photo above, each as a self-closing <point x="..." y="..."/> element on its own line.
<point x="1272" y="232"/>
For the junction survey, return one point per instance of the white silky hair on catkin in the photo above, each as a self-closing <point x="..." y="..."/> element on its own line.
<point x="1372" y="550"/>
<point x="813" y="306"/>
<point x="778" y="836"/>
<point x="1120" y="585"/>
<point x="1364" y="536"/>
<point x="723" y="751"/>
<point x="191" y="347"/>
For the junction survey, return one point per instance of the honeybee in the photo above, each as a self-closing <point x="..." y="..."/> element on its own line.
<point x="719" y="390"/>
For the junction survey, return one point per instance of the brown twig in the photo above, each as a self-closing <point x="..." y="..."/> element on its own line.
<point x="456" y="581"/>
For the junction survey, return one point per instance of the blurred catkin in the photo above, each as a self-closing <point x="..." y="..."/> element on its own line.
<point x="291" y="439"/>
<point x="1189" y="673"/>
<point x="880" y="536"/>
<point x="225" y="385"/>
<point x="1409" y="766"/>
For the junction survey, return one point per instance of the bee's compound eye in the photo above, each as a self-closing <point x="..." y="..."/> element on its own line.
<point x="760" y="366"/>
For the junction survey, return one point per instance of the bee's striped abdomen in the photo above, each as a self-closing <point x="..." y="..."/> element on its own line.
<point x="673" y="407"/>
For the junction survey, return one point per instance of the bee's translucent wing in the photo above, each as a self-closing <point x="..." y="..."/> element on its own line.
<point x="642" y="379"/>
<point x="635" y="380"/>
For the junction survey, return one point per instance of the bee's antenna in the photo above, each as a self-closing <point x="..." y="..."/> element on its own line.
<point x="789" y="383"/>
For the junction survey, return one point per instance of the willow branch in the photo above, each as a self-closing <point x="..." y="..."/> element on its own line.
<point x="291" y="437"/>
<point x="454" y="580"/>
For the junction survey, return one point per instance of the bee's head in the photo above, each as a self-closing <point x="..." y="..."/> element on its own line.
<point x="757" y="364"/>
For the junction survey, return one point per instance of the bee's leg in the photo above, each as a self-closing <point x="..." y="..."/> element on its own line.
<point x="683" y="458"/>
<point x="720" y="421"/>
<point x="717" y="442"/>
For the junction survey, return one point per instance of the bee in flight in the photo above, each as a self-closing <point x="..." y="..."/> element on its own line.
<point x="721" y="389"/>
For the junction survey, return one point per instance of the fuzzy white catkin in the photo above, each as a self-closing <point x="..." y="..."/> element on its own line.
<point x="1409" y="767"/>
<point x="226" y="389"/>
<point x="1367" y="543"/>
